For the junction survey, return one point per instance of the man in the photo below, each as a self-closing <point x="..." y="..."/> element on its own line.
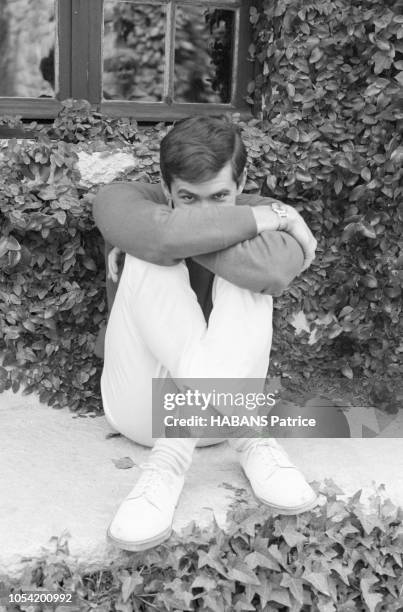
<point x="207" y="317"/>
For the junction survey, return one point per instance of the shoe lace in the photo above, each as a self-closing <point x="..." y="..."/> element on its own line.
<point x="149" y="485"/>
<point x="270" y="453"/>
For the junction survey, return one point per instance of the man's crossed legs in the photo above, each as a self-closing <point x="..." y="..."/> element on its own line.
<point x="157" y="329"/>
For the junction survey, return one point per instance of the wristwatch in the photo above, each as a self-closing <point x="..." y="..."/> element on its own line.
<point x="279" y="208"/>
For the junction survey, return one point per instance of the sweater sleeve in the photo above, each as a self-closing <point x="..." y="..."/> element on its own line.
<point x="266" y="263"/>
<point x="135" y="217"/>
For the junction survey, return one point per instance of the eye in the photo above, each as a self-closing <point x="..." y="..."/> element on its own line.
<point x="220" y="196"/>
<point x="187" y="198"/>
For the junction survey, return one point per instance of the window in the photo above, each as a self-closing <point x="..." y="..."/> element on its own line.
<point x="149" y="59"/>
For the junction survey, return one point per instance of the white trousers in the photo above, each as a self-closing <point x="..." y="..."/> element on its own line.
<point x="157" y="329"/>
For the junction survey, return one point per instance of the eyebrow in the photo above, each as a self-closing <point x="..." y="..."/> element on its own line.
<point x="186" y="192"/>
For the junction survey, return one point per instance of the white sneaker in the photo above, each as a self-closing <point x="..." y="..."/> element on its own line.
<point x="144" y="518"/>
<point x="275" y="480"/>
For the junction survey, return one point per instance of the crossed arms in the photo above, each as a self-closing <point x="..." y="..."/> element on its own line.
<point x="135" y="218"/>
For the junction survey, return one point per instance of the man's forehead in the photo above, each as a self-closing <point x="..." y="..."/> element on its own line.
<point x="222" y="180"/>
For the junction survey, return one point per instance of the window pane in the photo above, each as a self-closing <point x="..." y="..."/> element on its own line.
<point x="134" y="51"/>
<point x="27" y="48"/>
<point x="203" y="54"/>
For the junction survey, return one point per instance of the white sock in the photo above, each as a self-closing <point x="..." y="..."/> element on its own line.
<point x="244" y="444"/>
<point x="173" y="453"/>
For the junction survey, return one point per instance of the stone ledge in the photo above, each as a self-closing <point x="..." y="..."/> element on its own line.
<point x="58" y="475"/>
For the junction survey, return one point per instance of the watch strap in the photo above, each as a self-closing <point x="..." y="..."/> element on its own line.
<point x="278" y="208"/>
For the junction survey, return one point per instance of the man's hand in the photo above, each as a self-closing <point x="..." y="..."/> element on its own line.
<point x="267" y="219"/>
<point x="114" y="259"/>
<point x="299" y="230"/>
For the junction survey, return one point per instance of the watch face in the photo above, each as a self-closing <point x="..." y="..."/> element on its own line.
<point x="280" y="210"/>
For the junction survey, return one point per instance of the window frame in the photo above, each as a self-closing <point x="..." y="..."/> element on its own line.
<point x="79" y="66"/>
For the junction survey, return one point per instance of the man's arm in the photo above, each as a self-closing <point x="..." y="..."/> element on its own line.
<point x="136" y="218"/>
<point x="132" y="217"/>
<point x="265" y="264"/>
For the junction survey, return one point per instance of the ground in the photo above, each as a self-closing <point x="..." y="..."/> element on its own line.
<point x="59" y="476"/>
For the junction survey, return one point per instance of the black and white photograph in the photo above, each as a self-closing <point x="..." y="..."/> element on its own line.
<point x="201" y="295"/>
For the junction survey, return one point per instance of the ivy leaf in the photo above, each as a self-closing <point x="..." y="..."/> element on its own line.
<point x="397" y="154"/>
<point x="264" y="589"/>
<point x="344" y="571"/>
<point x="3" y="246"/>
<point x="366" y="230"/>
<point x="29" y="326"/>
<point x="294" y="585"/>
<point x="304" y="178"/>
<point x="315" y="55"/>
<point x="271" y="181"/>
<point x="369" y="521"/>
<point x="346" y="311"/>
<point x="275" y="552"/>
<point x="48" y="193"/>
<point x="207" y="559"/>
<point x="370" y="281"/>
<point x="257" y="559"/>
<point x="382" y="62"/>
<point x="280" y="596"/>
<point x="319" y="581"/>
<point x="13" y="244"/>
<point x="203" y="582"/>
<point x="129" y="585"/>
<point x="366" y="174"/>
<point x="338" y="185"/>
<point x="90" y="264"/>
<point x="347" y="372"/>
<point x="292" y="536"/>
<point x="124" y="463"/>
<point x="357" y="227"/>
<point x="61" y="216"/>
<point x="293" y="134"/>
<point x="243" y="574"/>
<point x="371" y="599"/>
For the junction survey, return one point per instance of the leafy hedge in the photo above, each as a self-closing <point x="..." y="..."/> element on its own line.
<point x="335" y="558"/>
<point x="329" y="93"/>
<point x="327" y="140"/>
<point x="52" y="279"/>
<point x="50" y="297"/>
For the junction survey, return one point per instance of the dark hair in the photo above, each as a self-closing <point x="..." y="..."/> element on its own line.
<point x="197" y="148"/>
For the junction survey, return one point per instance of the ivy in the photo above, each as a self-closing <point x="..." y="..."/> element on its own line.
<point x="328" y="141"/>
<point x="52" y="273"/>
<point x="51" y="260"/>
